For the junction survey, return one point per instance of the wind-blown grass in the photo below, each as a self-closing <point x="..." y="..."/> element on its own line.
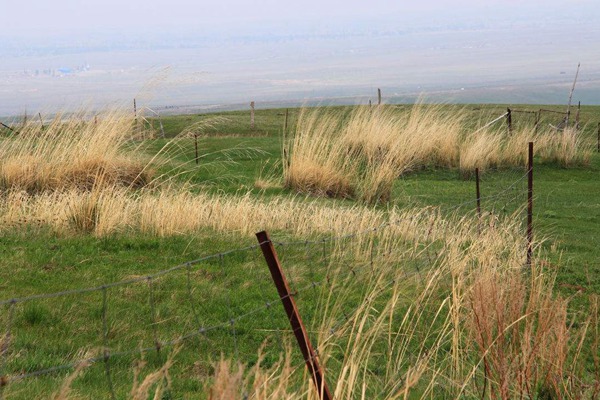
<point x="358" y="153"/>
<point x="74" y="153"/>
<point x="474" y="325"/>
<point x="470" y="322"/>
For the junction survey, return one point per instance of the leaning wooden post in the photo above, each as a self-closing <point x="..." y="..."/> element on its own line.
<point x="251" y="115"/>
<point x="530" y="205"/>
<point x="12" y="130"/>
<point x="509" y="120"/>
<point x="196" y="147"/>
<point x="378" y="97"/>
<point x="478" y="193"/>
<point x="285" y="294"/>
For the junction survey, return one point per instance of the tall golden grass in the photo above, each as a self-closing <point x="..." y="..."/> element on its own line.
<point x="78" y="152"/>
<point x="476" y="326"/>
<point x="358" y="153"/>
<point x="472" y="323"/>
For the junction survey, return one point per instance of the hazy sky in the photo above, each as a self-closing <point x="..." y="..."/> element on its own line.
<point x="36" y="18"/>
<point x="60" y="53"/>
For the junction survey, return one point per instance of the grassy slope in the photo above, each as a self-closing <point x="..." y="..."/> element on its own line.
<point x="567" y="211"/>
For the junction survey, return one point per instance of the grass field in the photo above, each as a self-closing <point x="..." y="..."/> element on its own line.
<point x="236" y="162"/>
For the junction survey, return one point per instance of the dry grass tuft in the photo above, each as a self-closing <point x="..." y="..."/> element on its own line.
<point x="470" y="323"/>
<point x="76" y="153"/>
<point x="566" y="148"/>
<point x="359" y="153"/>
<point x="521" y="332"/>
<point x="156" y="383"/>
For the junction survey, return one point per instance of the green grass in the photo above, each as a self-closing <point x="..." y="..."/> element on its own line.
<point x="234" y="123"/>
<point x="232" y="156"/>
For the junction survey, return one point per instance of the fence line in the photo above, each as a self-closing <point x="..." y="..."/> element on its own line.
<point x="250" y="247"/>
<point x="200" y="330"/>
<point x="399" y="220"/>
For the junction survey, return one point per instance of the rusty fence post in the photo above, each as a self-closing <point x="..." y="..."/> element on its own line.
<point x="478" y="193"/>
<point x="196" y="148"/>
<point x="530" y="205"/>
<point x="135" y="118"/>
<point x="293" y="315"/>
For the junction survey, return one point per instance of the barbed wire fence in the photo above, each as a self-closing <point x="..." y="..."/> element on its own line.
<point x="176" y="306"/>
<point x="223" y="303"/>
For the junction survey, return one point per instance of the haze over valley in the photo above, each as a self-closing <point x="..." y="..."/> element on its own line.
<point x="512" y="54"/>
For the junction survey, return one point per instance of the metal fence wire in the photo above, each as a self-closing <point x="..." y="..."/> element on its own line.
<point x="211" y="306"/>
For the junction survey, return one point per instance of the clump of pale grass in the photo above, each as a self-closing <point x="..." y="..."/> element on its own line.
<point x="475" y="326"/>
<point x="480" y="151"/>
<point x="154" y="384"/>
<point x="359" y="153"/>
<point x="521" y="333"/>
<point x="566" y="148"/>
<point x="470" y="323"/>
<point x="491" y="149"/>
<point x="69" y="153"/>
<point x="234" y="381"/>
<point x="175" y="212"/>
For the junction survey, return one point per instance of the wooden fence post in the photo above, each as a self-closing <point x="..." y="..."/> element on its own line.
<point x="196" y="147"/>
<point x="478" y="193"/>
<point x="509" y="120"/>
<point x="378" y="97"/>
<point x="251" y="115"/>
<point x="135" y="118"/>
<point x="530" y="205"/>
<point x="293" y="315"/>
<point x="538" y="115"/>
<point x="41" y="120"/>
